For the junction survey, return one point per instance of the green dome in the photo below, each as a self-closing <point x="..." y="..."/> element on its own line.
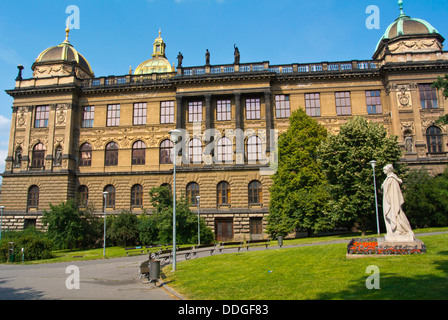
<point x="407" y="26"/>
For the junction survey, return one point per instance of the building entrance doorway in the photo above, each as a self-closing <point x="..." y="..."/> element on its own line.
<point x="224" y="229"/>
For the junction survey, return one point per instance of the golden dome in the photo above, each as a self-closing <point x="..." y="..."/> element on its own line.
<point x="64" y="52"/>
<point x="158" y="63"/>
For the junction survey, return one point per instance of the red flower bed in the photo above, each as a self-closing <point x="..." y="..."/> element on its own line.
<point x="370" y="246"/>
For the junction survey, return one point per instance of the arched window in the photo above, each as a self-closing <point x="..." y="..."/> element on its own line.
<point x="33" y="197"/>
<point x="195" y="151"/>
<point x="111" y="157"/>
<point x="166" y="150"/>
<point x="83" y="196"/>
<point x="224" y="150"/>
<point x="85" y="155"/>
<point x="38" y="156"/>
<point x="434" y="140"/>
<point x="110" y="198"/>
<point x="138" y="153"/>
<point x="192" y="192"/>
<point x="255" y="192"/>
<point x="136" y="196"/>
<point x="166" y="185"/>
<point x="223" y="193"/>
<point x="254" y="149"/>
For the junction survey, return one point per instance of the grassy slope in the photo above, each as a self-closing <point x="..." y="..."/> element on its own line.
<point x="314" y="272"/>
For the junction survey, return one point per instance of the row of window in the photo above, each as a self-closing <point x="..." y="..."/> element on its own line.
<point x="428" y="100"/>
<point x="223" y="151"/>
<point x="223" y="194"/>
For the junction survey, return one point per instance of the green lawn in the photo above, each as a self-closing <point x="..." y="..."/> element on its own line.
<point x="314" y="272"/>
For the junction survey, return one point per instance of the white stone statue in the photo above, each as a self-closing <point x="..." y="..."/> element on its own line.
<point x="397" y="224"/>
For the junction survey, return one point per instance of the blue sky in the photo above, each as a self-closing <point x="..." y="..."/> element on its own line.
<point x="117" y="34"/>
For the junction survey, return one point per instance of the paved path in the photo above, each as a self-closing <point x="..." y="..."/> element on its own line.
<point x="110" y="279"/>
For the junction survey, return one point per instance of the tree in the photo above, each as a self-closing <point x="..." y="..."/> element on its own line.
<point x="68" y="227"/>
<point x="345" y="161"/>
<point x="186" y="220"/>
<point x="442" y="84"/>
<point x="299" y="194"/>
<point x="124" y="229"/>
<point x="426" y="199"/>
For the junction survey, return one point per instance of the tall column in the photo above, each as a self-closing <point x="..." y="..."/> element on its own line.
<point x="179" y="110"/>
<point x="269" y="123"/>
<point x="238" y="113"/>
<point x="208" y="112"/>
<point x="239" y="134"/>
<point x="68" y="159"/>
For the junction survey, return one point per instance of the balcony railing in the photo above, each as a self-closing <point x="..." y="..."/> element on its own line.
<point x="311" y="68"/>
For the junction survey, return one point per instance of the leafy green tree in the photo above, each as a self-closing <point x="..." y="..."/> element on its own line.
<point x="299" y="194"/>
<point x="147" y="229"/>
<point x="345" y="160"/>
<point x="442" y="84"/>
<point x="65" y="225"/>
<point x="124" y="229"/>
<point x="186" y="220"/>
<point x="426" y="199"/>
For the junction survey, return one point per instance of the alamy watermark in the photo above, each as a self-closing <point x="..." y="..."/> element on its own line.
<point x="73" y="20"/>
<point x="230" y="147"/>
<point x="373" y="20"/>
<point x="72" y="281"/>
<point x="373" y="281"/>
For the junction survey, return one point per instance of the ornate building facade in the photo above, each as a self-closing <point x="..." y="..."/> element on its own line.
<point x="74" y="135"/>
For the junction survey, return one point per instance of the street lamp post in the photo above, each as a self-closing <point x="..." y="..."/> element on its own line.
<point x="199" y="230"/>
<point x="1" y="221"/>
<point x="105" y="193"/>
<point x="174" y="136"/>
<point x="373" y="164"/>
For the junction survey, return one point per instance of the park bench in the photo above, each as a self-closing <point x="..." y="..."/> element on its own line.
<point x="205" y="247"/>
<point x="144" y="269"/>
<point x="231" y="245"/>
<point x="257" y="243"/>
<point x="134" y="250"/>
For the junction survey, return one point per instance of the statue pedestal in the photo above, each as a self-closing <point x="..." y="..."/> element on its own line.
<point x="404" y="242"/>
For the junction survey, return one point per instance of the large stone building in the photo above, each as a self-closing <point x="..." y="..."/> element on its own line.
<point x="77" y="135"/>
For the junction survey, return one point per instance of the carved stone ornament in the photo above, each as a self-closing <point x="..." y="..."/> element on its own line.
<point x="404" y="99"/>
<point x="61" y="112"/>
<point x="407" y="126"/>
<point x="21" y="117"/>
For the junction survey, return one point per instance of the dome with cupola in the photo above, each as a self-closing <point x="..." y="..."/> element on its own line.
<point x="62" y="60"/>
<point x="406" y="30"/>
<point x="158" y="63"/>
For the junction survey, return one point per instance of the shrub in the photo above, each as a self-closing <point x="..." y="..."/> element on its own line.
<point x="35" y="244"/>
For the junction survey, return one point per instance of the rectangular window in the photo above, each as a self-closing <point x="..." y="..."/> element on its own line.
<point x="223" y="110"/>
<point x="253" y="109"/>
<point x="139" y="114"/>
<point x="373" y="101"/>
<point x="256" y="225"/>
<point x="42" y="115"/>
<point x="113" y="115"/>
<point x="428" y="96"/>
<point x="87" y="116"/>
<point x="195" y="111"/>
<point x="343" y="103"/>
<point x="167" y="112"/>
<point x="312" y="104"/>
<point x="282" y="106"/>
